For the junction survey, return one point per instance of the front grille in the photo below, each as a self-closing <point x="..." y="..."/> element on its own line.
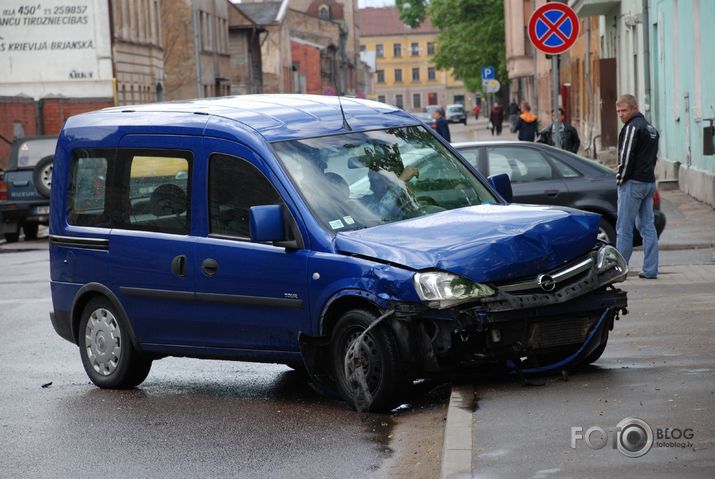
<point x="560" y="278"/>
<point x="559" y="332"/>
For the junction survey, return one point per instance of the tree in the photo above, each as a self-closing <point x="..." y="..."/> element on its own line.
<point x="471" y="35"/>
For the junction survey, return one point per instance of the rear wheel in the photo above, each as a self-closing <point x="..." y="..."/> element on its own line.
<point x="606" y="232"/>
<point x="12" y="237"/>
<point x="42" y="176"/>
<point x="368" y="372"/>
<point x="30" y="230"/>
<point x="108" y="356"/>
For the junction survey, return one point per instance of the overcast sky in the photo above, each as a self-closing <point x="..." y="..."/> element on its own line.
<point x="375" y="3"/>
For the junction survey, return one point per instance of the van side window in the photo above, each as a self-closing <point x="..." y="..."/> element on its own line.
<point x="158" y="196"/>
<point x="87" y="192"/>
<point x="234" y="186"/>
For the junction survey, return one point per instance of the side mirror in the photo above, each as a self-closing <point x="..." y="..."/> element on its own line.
<point x="266" y="223"/>
<point x="502" y="184"/>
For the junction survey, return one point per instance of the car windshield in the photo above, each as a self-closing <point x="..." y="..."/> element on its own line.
<point x="32" y="151"/>
<point x="359" y="180"/>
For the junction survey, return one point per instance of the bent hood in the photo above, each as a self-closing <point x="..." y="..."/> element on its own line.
<point x="484" y="243"/>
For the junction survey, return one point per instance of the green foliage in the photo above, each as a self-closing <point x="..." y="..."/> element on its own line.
<point x="471" y="35"/>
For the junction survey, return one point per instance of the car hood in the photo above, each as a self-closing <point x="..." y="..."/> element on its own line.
<point x="484" y="243"/>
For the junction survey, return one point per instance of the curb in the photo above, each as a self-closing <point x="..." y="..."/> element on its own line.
<point x="457" y="447"/>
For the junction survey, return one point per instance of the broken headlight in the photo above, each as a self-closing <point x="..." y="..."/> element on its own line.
<point x="608" y="258"/>
<point x="443" y="290"/>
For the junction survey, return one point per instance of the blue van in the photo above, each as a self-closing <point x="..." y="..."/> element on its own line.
<point x="336" y="235"/>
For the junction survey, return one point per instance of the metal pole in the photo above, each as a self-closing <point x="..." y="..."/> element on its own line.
<point x="555" y="100"/>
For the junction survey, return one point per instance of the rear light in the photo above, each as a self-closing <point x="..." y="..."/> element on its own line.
<point x="3" y="191"/>
<point x="656" y="199"/>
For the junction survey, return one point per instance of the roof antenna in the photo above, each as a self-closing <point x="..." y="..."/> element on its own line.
<point x="346" y="125"/>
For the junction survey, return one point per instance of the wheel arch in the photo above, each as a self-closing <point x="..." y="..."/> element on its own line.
<point x="97" y="290"/>
<point x="345" y="301"/>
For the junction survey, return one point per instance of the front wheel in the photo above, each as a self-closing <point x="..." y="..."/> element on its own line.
<point x="606" y="232"/>
<point x="108" y="356"/>
<point x="368" y="372"/>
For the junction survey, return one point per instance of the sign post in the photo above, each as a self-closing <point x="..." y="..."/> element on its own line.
<point x="553" y="29"/>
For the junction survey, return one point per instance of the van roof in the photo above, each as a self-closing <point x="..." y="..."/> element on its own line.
<point x="275" y="117"/>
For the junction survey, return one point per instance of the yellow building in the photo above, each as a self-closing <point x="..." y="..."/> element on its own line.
<point x="405" y="74"/>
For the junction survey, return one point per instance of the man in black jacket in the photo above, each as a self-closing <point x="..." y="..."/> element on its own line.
<point x="568" y="136"/>
<point x="637" y="154"/>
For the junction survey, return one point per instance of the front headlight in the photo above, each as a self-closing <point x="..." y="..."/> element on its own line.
<point x="443" y="290"/>
<point x="608" y="258"/>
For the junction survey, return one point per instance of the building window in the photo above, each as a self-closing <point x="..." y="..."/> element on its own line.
<point x="432" y="98"/>
<point x="399" y="102"/>
<point x="430" y="48"/>
<point x="381" y="98"/>
<point x="398" y="75"/>
<point x="381" y="76"/>
<point x="415" y="49"/>
<point x="415" y="74"/>
<point x="397" y="50"/>
<point x="431" y="73"/>
<point x="363" y="48"/>
<point x="380" y="50"/>
<point x="324" y="12"/>
<point x="416" y="101"/>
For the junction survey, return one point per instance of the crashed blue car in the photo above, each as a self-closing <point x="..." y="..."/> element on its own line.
<point x="334" y="235"/>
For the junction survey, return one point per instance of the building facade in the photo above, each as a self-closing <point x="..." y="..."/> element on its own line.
<point x="659" y="51"/>
<point x="405" y="75"/>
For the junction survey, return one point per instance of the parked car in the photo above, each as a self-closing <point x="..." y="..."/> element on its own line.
<point x="542" y="174"/>
<point x="25" y="187"/>
<point x="455" y="113"/>
<point x="342" y="237"/>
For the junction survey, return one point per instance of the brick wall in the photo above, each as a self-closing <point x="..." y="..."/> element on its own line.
<point x="53" y="111"/>
<point x="15" y="110"/>
<point x="308" y="60"/>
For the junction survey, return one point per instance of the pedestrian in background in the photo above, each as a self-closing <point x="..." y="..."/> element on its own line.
<point x="476" y="110"/>
<point x="513" y="111"/>
<point x="526" y="125"/>
<point x="440" y="124"/>
<point x="496" y="118"/>
<point x="568" y="136"/>
<point x="637" y="154"/>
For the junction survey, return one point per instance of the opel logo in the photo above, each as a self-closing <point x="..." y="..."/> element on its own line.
<point x="546" y="282"/>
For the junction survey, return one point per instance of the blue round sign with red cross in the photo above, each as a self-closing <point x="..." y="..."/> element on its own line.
<point x="553" y="28"/>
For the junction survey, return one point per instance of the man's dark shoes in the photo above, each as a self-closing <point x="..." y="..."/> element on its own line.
<point x="645" y="276"/>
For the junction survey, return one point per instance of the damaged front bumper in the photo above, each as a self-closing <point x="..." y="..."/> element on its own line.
<point x="552" y="320"/>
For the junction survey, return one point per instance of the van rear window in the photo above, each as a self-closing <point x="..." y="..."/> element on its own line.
<point x="144" y="190"/>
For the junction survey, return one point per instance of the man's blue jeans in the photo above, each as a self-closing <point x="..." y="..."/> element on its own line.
<point x="635" y="207"/>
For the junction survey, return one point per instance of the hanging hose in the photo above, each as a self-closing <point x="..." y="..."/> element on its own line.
<point x="353" y="366"/>
<point x="564" y="362"/>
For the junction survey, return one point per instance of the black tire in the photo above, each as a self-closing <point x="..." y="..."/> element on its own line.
<point x="596" y="353"/>
<point x="42" y="176"/>
<point x="30" y="230"/>
<point x="379" y="358"/>
<point x="122" y="367"/>
<point x="606" y="231"/>
<point x="12" y="237"/>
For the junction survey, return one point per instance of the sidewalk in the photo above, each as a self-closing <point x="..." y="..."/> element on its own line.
<point x="690" y="225"/>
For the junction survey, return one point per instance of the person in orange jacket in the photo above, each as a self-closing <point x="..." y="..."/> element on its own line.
<point x="527" y="124"/>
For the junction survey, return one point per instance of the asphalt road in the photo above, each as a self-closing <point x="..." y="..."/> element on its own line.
<point x="190" y="418"/>
<point x="659" y="366"/>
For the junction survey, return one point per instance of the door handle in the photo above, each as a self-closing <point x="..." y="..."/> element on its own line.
<point x="209" y="266"/>
<point x="178" y="265"/>
<point x="551" y="193"/>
